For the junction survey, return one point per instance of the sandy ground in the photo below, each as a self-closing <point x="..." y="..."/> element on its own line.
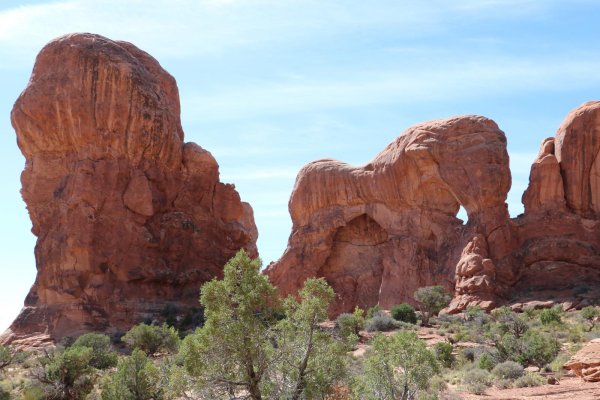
<point x="571" y="388"/>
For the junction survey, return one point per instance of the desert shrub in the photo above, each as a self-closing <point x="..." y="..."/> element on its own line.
<point x="405" y="313"/>
<point x="469" y="354"/>
<point x="590" y="313"/>
<point x="510" y="348"/>
<point x="529" y="312"/>
<point x="373" y="311"/>
<point x="67" y="374"/>
<point x="443" y="352"/>
<point x="448" y="319"/>
<point x="7" y="356"/>
<point x="102" y="356"/>
<point x="508" y="370"/>
<point x="432" y="300"/>
<point x="477" y="380"/>
<point x="349" y="325"/>
<point x="557" y="364"/>
<point x="152" y="339"/>
<point x="381" y="323"/>
<point x="32" y="393"/>
<point x="396" y="367"/>
<point x="503" y="383"/>
<point x="529" y="380"/>
<point x="509" y="322"/>
<point x="539" y="348"/>
<point x="4" y="392"/>
<point x="136" y="378"/>
<point x="473" y="312"/>
<point x="486" y="361"/>
<point x="550" y="315"/>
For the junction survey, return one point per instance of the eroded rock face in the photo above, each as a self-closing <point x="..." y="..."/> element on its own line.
<point x="377" y="233"/>
<point x="129" y="218"/>
<point x="380" y="231"/>
<point x="557" y="256"/>
<point x="586" y="363"/>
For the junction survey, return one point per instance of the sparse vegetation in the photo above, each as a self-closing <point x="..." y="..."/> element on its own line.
<point x="381" y="323"/>
<point x="590" y="314"/>
<point x="66" y="374"/>
<point x="443" y="353"/>
<point x="152" y="339"/>
<point x="256" y="345"/>
<point x="508" y="370"/>
<point x="550" y="316"/>
<point x="103" y="355"/>
<point x="136" y="378"/>
<point x="397" y="367"/>
<point x="432" y="300"/>
<point x="349" y="325"/>
<point x="529" y="380"/>
<point x="477" y="380"/>
<point x="404" y="313"/>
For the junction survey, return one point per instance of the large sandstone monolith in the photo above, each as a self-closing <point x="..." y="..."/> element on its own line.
<point x="378" y="232"/>
<point x="129" y="218"/>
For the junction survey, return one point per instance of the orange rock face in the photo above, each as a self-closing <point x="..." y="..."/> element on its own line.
<point x="129" y="218"/>
<point x="378" y="232"/>
<point x="586" y="363"/>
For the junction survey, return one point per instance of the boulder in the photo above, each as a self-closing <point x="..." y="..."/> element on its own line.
<point x="586" y="362"/>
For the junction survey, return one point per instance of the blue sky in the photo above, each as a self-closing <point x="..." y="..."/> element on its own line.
<point x="269" y="85"/>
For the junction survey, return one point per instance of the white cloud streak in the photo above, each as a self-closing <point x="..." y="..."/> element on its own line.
<point x="451" y="80"/>
<point x="180" y="28"/>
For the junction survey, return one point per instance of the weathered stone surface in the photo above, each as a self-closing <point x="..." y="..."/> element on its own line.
<point x="577" y="148"/>
<point x="475" y="277"/>
<point x="129" y="218"/>
<point x="586" y="362"/>
<point x="557" y="254"/>
<point x="546" y="188"/>
<point x="380" y="231"/>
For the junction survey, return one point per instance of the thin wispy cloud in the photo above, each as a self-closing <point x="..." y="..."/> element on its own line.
<point x="443" y="81"/>
<point x="179" y="28"/>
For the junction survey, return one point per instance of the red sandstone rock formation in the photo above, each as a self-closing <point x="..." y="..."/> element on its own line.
<point x="586" y="363"/>
<point x="380" y="231"/>
<point x="129" y="218"/>
<point x="557" y="254"/>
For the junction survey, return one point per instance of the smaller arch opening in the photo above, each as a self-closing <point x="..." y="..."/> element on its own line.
<point x="462" y="215"/>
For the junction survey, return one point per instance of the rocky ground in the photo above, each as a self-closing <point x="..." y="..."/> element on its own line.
<point x="569" y="387"/>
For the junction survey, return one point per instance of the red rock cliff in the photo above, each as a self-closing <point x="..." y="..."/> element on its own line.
<point x="128" y="217"/>
<point x="378" y="232"/>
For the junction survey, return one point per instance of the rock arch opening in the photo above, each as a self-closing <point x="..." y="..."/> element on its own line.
<point x="462" y="215"/>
